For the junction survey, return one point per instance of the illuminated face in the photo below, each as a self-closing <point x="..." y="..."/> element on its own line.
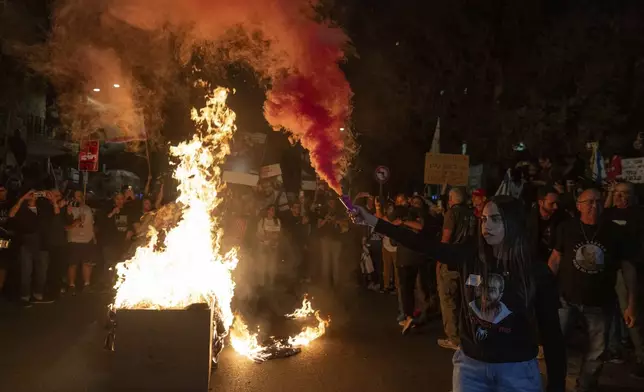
<point x="78" y="197"/>
<point x="452" y="199"/>
<point x="549" y="205"/>
<point x="147" y="205"/>
<point x="478" y="202"/>
<point x="492" y="226"/>
<point x="416" y="202"/>
<point x="589" y="205"/>
<point x="296" y="209"/>
<point x="494" y="291"/>
<point x="622" y="196"/>
<point x="401" y="200"/>
<point x="119" y="200"/>
<point x="267" y="188"/>
<point x="270" y="212"/>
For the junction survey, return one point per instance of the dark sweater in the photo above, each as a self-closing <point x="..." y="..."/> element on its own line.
<point x="507" y="332"/>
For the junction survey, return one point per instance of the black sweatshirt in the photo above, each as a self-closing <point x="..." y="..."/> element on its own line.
<point x="506" y="330"/>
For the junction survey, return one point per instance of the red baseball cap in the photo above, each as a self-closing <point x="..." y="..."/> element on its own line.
<point x="480" y="192"/>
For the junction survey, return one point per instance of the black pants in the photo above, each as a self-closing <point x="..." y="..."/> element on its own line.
<point x="57" y="269"/>
<point x="408" y="275"/>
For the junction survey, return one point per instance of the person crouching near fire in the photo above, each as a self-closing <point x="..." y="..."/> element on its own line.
<point x="506" y="299"/>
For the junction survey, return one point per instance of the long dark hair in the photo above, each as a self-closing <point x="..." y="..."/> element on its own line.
<point x="516" y="255"/>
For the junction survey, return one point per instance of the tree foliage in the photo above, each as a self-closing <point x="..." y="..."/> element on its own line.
<point x="552" y="74"/>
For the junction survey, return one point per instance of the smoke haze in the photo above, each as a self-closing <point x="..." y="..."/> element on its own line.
<point x="145" y="45"/>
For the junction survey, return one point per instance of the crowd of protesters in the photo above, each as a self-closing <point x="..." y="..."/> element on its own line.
<point x="509" y="275"/>
<point x="516" y="273"/>
<point x="53" y="243"/>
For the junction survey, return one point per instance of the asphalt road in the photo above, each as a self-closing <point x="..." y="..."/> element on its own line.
<point x="59" y="347"/>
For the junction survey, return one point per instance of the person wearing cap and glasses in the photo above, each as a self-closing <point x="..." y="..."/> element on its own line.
<point x="479" y="198"/>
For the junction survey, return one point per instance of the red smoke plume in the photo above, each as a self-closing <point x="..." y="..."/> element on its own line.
<point x="309" y="97"/>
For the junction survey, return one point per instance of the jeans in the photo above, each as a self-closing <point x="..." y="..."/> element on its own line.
<point x="56" y="270"/>
<point x="331" y="252"/>
<point x="33" y="267"/>
<point x="449" y="295"/>
<point x="408" y="277"/>
<point x="470" y="375"/>
<point x="635" y="333"/>
<point x="375" y="252"/>
<point x="595" y="321"/>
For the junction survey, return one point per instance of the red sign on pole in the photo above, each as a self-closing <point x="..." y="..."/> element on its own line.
<point x="88" y="156"/>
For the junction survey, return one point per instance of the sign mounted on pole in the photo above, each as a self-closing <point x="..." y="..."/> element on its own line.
<point x="382" y="174"/>
<point x="452" y="169"/>
<point x="88" y="156"/>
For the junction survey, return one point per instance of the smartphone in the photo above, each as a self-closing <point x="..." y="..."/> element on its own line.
<point x="39" y="194"/>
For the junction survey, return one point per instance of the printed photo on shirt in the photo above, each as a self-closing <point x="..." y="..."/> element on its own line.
<point x="589" y="257"/>
<point x="487" y="304"/>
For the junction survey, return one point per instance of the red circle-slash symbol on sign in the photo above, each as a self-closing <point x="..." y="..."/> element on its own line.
<point x="382" y="174"/>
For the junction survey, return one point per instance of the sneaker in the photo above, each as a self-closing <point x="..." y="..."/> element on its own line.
<point x="25" y="303"/>
<point x="615" y="358"/>
<point x="407" y="325"/>
<point x="638" y="371"/>
<point x="42" y="300"/>
<point x="446" y="343"/>
<point x="401" y="317"/>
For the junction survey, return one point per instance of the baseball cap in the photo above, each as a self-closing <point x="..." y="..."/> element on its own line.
<point x="480" y="192"/>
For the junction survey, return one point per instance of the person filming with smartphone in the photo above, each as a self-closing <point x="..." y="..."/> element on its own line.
<point x="32" y="214"/>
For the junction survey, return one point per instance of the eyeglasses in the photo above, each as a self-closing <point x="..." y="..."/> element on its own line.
<point x="590" y="201"/>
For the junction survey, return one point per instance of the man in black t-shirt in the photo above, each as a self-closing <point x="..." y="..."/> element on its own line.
<point x="625" y="213"/>
<point x="412" y="266"/>
<point x="116" y="233"/>
<point x="459" y="227"/>
<point x="543" y="221"/>
<point x="588" y="252"/>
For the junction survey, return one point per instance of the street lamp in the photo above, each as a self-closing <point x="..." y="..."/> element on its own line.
<point x="97" y="90"/>
<point x="116" y="85"/>
<point x="341" y="129"/>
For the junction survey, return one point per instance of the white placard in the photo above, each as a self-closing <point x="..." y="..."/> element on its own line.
<point x="270" y="171"/>
<point x="241" y="178"/>
<point x="308" y="185"/>
<point x="633" y="170"/>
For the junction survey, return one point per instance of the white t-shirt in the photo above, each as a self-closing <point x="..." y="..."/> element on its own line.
<point x="268" y="230"/>
<point x="85" y="232"/>
<point x="386" y="243"/>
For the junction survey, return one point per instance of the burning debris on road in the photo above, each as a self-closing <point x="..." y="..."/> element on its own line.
<point x="187" y="277"/>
